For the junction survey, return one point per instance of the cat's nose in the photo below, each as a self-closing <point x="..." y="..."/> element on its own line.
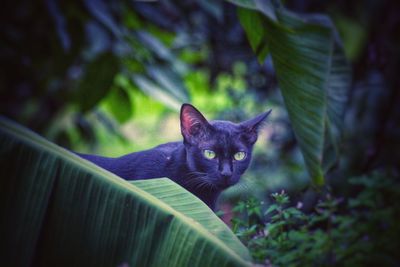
<point x="226" y="176"/>
<point x="226" y="171"/>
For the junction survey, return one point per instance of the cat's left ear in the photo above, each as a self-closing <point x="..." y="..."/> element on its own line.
<point x="251" y="126"/>
<point x="193" y="124"/>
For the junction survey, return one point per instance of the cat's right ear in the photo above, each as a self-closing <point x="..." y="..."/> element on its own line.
<point x="193" y="124"/>
<point x="251" y="126"/>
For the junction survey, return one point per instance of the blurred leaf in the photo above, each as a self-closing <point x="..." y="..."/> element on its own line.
<point x="212" y="7"/>
<point x="161" y="51"/>
<point x="240" y="207"/>
<point x="155" y="45"/>
<point x="60" y="24"/>
<point x="354" y="35"/>
<point x="85" y="129"/>
<point x="313" y="76"/>
<point x="109" y="124"/>
<point x="272" y="208"/>
<point x="97" y="80"/>
<point x="119" y="104"/>
<point x="265" y="6"/>
<point x="131" y="20"/>
<point x="192" y="56"/>
<point x="100" y="10"/>
<point x="338" y="86"/>
<point x="165" y="37"/>
<point x="170" y="81"/>
<point x="156" y="92"/>
<point x="253" y="25"/>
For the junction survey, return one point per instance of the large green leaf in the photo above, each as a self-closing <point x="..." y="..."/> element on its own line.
<point x="58" y="209"/>
<point x="312" y="72"/>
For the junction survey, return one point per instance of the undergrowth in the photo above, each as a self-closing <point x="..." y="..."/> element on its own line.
<point x="362" y="230"/>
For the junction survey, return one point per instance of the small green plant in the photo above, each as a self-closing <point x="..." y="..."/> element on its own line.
<point x="358" y="231"/>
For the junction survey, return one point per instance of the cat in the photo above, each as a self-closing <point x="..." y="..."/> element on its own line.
<point x="212" y="156"/>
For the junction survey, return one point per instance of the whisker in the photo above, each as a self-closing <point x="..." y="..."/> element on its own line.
<point x="194" y="181"/>
<point x="203" y="185"/>
<point x="199" y="181"/>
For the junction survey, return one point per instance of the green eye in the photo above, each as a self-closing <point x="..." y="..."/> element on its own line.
<point x="239" y="155"/>
<point x="209" y="154"/>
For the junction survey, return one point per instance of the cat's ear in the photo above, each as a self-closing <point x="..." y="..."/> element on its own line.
<point x="251" y="126"/>
<point x="193" y="123"/>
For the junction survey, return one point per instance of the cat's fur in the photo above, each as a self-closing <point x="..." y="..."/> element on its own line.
<point x="185" y="163"/>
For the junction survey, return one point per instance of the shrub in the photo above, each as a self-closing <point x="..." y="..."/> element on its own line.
<point x="354" y="231"/>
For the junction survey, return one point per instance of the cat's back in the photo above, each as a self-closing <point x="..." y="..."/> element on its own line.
<point x="169" y="148"/>
<point x="151" y="163"/>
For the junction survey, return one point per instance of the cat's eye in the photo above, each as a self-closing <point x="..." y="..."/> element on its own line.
<point x="209" y="154"/>
<point x="239" y="155"/>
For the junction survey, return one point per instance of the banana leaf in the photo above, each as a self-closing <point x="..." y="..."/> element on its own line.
<point x="60" y="210"/>
<point x="313" y="75"/>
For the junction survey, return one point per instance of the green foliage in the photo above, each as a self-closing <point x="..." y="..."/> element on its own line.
<point x="58" y="209"/>
<point x="118" y="101"/>
<point x="253" y="24"/>
<point x="96" y="81"/>
<point x="73" y="67"/>
<point x="313" y="75"/>
<point x="358" y="231"/>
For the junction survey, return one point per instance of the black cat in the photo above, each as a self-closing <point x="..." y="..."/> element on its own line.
<point x="212" y="156"/>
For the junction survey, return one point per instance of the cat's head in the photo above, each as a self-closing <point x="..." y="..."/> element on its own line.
<point x="218" y="151"/>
